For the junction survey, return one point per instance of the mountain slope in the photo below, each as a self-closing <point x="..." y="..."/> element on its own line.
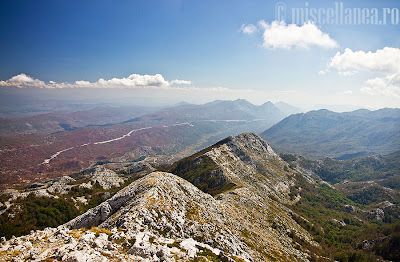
<point x="382" y="168"/>
<point x="242" y="161"/>
<point x="324" y="133"/>
<point x="164" y="217"/>
<point x="360" y="215"/>
<point x="244" y="171"/>
<point x="238" y="201"/>
<point x="251" y="207"/>
<point x="246" y="221"/>
<point x="153" y="219"/>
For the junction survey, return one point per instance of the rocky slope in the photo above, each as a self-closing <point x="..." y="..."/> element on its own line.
<point x="105" y="178"/>
<point x="162" y="217"/>
<point x="56" y="201"/>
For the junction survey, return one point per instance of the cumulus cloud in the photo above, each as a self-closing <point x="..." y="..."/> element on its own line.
<point x="134" y="81"/>
<point x="387" y="86"/>
<point x="384" y="61"/>
<point x="22" y="80"/>
<point x="248" y="29"/>
<point x="348" y="92"/>
<point x="280" y="35"/>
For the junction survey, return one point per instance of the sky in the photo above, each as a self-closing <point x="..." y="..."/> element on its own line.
<point x="344" y="54"/>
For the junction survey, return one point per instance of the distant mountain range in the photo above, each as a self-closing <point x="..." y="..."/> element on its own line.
<point x="239" y="109"/>
<point x="218" y="110"/>
<point x="324" y="133"/>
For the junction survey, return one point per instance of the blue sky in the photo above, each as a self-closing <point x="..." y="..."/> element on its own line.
<point x="201" y="42"/>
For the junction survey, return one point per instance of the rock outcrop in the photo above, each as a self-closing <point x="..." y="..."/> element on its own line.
<point x="106" y="178"/>
<point x="83" y="245"/>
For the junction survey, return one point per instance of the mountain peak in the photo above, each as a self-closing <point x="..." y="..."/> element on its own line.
<point x="242" y="102"/>
<point x="255" y="143"/>
<point x="269" y="103"/>
<point x="235" y="161"/>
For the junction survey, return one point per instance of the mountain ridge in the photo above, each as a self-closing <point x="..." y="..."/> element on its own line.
<point x="246" y="222"/>
<point x="325" y="133"/>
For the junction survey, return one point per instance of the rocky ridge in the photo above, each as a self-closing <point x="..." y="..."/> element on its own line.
<point x="77" y="187"/>
<point x="162" y="217"/>
<point x="106" y="178"/>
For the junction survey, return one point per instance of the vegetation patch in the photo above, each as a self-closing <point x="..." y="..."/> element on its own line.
<point x="201" y="171"/>
<point x="205" y="254"/>
<point x="32" y="213"/>
<point x="98" y="231"/>
<point x="323" y="207"/>
<point x="35" y="213"/>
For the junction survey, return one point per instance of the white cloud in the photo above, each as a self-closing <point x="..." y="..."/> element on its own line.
<point x="384" y="61"/>
<point x="248" y="29"/>
<point x="323" y="72"/>
<point x="280" y="35"/>
<point x="387" y="86"/>
<point x="134" y="81"/>
<point x="22" y="80"/>
<point x="181" y="82"/>
<point x="348" y="92"/>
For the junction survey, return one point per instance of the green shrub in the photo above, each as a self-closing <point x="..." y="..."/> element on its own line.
<point x="33" y="213"/>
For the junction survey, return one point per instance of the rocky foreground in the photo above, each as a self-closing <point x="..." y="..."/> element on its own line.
<point x="158" y="205"/>
<point x="162" y="217"/>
